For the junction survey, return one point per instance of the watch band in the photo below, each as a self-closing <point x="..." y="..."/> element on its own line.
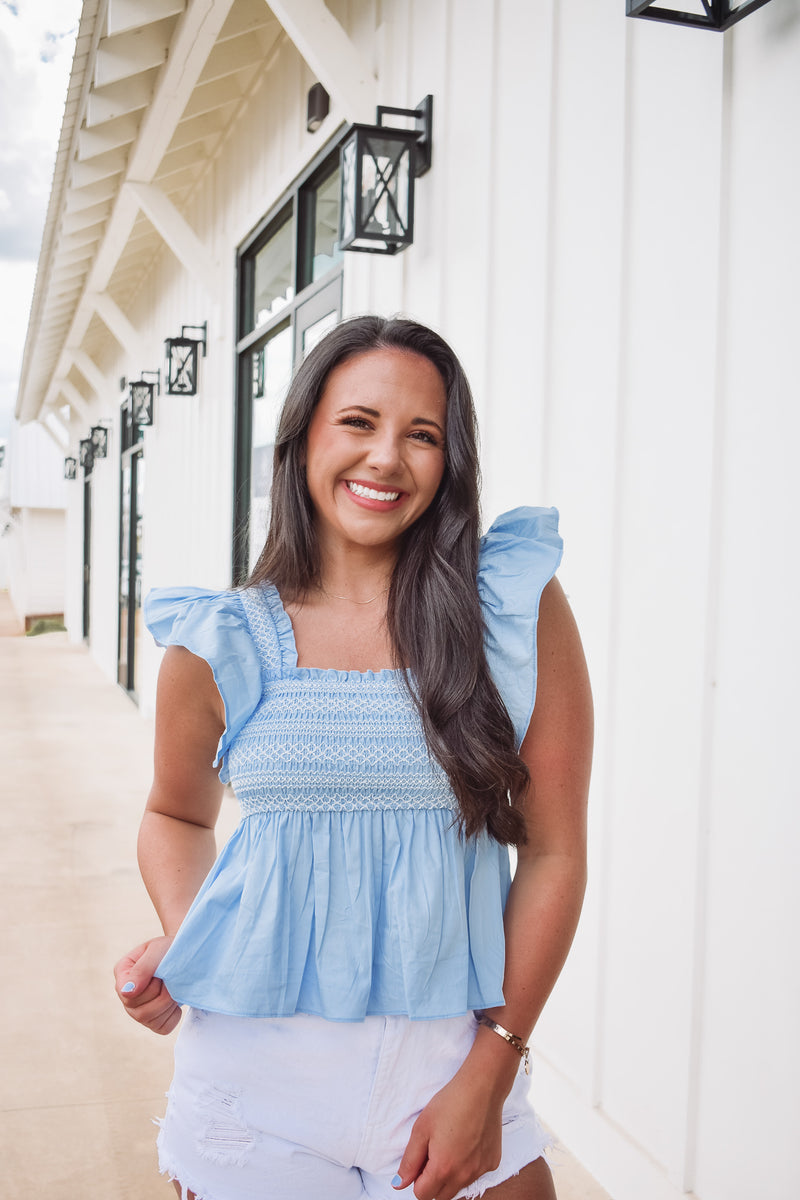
<point x="522" y="1050"/>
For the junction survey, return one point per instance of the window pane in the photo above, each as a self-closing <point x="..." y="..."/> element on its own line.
<point x="326" y="226"/>
<point x="316" y="332"/>
<point x="272" y="372"/>
<point x="273" y="284"/>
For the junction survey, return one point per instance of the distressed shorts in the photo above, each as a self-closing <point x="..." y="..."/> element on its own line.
<point x="300" y="1108"/>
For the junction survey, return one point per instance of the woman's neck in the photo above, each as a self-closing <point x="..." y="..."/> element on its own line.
<point x="360" y="577"/>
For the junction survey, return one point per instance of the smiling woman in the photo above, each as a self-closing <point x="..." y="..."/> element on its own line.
<point x="369" y="692"/>
<point x="375" y="455"/>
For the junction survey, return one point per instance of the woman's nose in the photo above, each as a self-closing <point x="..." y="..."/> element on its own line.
<point x="384" y="452"/>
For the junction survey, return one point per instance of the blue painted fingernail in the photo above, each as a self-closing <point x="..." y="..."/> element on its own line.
<point x="396" y="1181"/>
<point x="128" y="988"/>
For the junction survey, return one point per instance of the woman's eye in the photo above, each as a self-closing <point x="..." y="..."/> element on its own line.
<point x="356" y="422"/>
<point x="422" y="435"/>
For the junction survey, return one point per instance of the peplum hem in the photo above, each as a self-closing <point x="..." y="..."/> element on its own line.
<point x="345" y="915"/>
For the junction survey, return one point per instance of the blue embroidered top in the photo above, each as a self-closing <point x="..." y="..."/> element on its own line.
<point x="346" y="889"/>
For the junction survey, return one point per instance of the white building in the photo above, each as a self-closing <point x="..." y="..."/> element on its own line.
<point x="33" y="499"/>
<point x="608" y="236"/>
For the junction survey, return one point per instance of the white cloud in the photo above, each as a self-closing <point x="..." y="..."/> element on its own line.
<point x="36" y="44"/>
<point x="37" y="39"/>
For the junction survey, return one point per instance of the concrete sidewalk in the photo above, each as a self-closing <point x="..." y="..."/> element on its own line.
<point x="80" y="1081"/>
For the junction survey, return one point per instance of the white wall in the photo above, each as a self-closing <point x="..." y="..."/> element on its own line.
<point x="608" y="236"/>
<point x="32" y="498"/>
<point x="36" y="562"/>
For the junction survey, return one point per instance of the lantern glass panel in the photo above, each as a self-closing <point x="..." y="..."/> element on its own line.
<point x="385" y="171"/>
<point x="100" y="441"/>
<point x="70" y="468"/>
<point x="350" y="189"/>
<point x="182" y="367"/>
<point x="142" y="403"/>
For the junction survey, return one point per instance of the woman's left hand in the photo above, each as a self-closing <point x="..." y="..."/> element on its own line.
<point x="455" y="1139"/>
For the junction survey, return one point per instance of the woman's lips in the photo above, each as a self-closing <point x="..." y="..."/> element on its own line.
<point x="372" y="496"/>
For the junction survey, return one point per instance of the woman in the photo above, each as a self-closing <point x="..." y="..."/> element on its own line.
<point x="361" y="974"/>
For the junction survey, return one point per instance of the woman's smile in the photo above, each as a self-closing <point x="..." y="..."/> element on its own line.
<point x="363" y="491"/>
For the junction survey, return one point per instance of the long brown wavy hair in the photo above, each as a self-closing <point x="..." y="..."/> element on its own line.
<point x="433" y="611"/>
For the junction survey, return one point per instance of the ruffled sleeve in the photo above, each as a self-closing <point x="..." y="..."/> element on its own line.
<point x="519" y="554"/>
<point x="213" y="626"/>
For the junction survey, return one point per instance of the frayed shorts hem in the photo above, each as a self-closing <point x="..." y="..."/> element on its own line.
<point x="293" y="1109"/>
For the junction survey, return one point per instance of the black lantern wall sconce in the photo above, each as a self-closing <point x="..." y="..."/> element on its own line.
<point x="2" y="455"/>
<point x="142" y="394"/>
<point x="182" y="355"/>
<point x="99" y="436"/>
<point x="702" y="14"/>
<point x="70" y="468"/>
<point x="86" y="455"/>
<point x="379" y="164"/>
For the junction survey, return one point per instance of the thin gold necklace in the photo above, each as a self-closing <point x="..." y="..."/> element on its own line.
<point x="334" y="596"/>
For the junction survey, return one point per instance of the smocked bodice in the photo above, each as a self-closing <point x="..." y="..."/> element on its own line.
<point x="327" y="740"/>
<point x="347" y="889"/>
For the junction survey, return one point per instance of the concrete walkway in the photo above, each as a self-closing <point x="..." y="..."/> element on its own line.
<point x="80" y="1081"/>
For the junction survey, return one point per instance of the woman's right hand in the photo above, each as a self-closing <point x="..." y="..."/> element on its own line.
<point x="148" y="1000"/>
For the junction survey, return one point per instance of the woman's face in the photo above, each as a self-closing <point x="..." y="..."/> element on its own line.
<point x="375" y="448"/>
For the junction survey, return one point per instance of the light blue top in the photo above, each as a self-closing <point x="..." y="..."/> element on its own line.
<point x="346" y="889"/>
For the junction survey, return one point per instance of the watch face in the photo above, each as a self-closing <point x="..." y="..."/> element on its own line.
<point x="182" y="364"/>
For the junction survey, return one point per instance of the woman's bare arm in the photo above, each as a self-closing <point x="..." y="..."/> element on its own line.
<point x="458" y="1135"/>
<point x="176" y="838"/>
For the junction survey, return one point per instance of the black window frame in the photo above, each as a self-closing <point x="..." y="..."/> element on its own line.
<point x="297" y="203"/>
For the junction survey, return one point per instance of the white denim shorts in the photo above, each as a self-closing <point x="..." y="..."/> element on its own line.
<point x="300" y="1108"/>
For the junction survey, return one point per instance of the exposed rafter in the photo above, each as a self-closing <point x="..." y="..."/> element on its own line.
<point x="178" y="234"/>
<point x="154" y="88"/>
<point x="331" y="55"/>
<point x="90" y="371"/>
<point x="114" y="318"/>
<point x="75" y="400"/>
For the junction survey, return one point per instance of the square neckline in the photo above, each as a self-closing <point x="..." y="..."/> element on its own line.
<point x="289" y="655"/>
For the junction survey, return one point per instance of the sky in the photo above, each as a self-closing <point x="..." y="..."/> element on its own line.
<point x="37" y="41"/>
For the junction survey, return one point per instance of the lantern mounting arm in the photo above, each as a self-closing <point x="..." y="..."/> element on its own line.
<point x="202" y="329"/>
<point x="422" y="116"/>
<point x="143" y="378"/>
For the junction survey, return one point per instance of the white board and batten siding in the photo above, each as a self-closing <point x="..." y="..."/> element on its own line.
<point x="608" y="237"/>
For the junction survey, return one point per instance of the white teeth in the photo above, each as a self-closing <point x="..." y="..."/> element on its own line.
<point x="370" y="493"/>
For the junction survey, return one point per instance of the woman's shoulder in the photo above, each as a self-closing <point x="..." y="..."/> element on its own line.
<point x="168" y="609"/>
<point x="521" y="549"/>
<point x="213" y="626"/>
